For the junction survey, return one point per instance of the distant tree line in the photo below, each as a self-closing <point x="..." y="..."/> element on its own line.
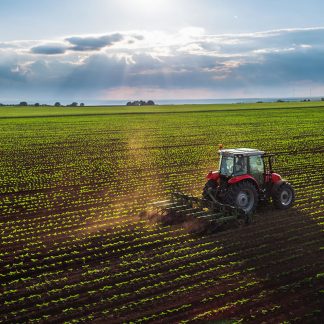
<point x="37" y="104"/>
<point x="140" y="103"/>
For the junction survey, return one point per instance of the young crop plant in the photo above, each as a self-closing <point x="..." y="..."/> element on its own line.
<point x="77" y="244"/>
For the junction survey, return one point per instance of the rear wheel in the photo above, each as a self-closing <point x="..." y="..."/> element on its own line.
<point x="243" y="195"/>
<point x="284" y="196"/>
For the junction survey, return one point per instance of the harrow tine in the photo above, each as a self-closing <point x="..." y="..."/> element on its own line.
<point x="210" y="212"/>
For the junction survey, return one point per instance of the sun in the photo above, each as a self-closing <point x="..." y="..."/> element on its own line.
<point x="146" y="5"/>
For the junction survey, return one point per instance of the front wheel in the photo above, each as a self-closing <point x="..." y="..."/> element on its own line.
<point x="284" y="196"/>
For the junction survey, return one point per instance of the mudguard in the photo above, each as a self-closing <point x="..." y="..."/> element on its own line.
<point x="213" y="175"/>
<point x="275" y="177"/>
<point x="276" y="185"/>
<point x="241" y="178"/>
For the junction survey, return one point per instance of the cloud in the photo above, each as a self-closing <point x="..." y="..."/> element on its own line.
<point x="138" y="36"/>
<point x="12" y="76"/>
<point x="7" y="45"/>
<point x="92" y="43"/>
<point x="49" y="49"/>
<point x="77" y="43"/>
<point x="189" y="61"/>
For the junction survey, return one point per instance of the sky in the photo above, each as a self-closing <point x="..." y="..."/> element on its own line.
<point x="87" y="50"/>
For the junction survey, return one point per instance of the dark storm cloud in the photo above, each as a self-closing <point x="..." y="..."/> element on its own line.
<point x="92" y="43"/>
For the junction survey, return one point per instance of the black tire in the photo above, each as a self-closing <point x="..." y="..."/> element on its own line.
<point x="243" y="195"/>
<point x="283" y="196"/>
<point x="211" y="186"/>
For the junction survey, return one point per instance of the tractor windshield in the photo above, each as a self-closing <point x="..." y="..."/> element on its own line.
<point x="226" y="165"/>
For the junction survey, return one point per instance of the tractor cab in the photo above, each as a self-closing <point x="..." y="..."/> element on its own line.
<point x="242" y="161"/>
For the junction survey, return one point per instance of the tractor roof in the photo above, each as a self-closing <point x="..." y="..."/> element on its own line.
<point x="241" y="151"/>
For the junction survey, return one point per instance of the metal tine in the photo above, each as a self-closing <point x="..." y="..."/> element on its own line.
<point x="189" y="211"/>
<point x="166" y="203"/>
<point x="188" y="205"/>
<point x="198" y="212"/>
<point x="161" y="202"/>
<point x="211" y="216"/>
<point x="177" y="208"/>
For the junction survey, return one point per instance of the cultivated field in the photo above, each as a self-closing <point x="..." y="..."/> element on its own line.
<point x="73" y="184"/>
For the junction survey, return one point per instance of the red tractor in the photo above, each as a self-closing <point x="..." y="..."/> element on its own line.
<point x="245" y="178"/>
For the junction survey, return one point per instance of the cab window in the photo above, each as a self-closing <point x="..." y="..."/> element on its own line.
<point x="256" y="164"/>
<point x="257" y="168"/>
<point x="226" y="165"/>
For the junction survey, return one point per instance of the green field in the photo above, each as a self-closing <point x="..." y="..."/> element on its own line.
<point x="16" y="111"/>
<point x="74" y="182"/>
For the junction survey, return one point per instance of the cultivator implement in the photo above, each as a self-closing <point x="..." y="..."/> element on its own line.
<point x="209" y="214"/>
